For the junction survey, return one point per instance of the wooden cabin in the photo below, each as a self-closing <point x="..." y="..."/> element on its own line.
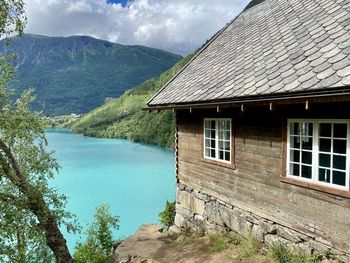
<point x="263" y="127"/>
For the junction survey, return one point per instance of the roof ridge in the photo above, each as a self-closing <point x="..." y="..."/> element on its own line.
<point x="253" y="3"/>
<point x="212" y="39"/>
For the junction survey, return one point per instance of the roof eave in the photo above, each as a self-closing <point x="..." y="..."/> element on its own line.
<point x="342" y="93"/>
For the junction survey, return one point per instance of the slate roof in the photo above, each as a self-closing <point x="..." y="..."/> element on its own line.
<point x="274" y="47"/>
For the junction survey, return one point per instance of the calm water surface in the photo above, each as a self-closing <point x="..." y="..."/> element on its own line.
<point x="134" y="179"/>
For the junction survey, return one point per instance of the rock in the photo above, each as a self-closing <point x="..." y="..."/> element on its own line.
<point x="184" y="212"/>
<point x="174" y="231"/>
<point x="123" y="258"/>
<point x="180" y="221"/>
<point x="319" y="247"/>
<point x="147" y="240"/>
<point x="201" y="196"/>
<point x="117" y="244"/>
<point x="181" y="187"/>
<point x="213" y="213"/>
<point x="198" y="218"/>
<point x="288" y="234"/>
<point x="191" y="203"/>
<point x="258" y="233"/>
<point x="267" y="227"/>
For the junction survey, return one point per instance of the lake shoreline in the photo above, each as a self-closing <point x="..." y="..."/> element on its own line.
<point x="113" y="171"/>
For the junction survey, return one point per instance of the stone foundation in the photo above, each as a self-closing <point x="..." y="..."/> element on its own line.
<point x="203" y="212"/>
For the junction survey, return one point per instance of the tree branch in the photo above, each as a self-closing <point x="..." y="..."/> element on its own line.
<point x="18" y="180"/>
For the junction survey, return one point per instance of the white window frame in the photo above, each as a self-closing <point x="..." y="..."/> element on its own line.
<point x="217" y="139"/>
<point x="315" y="152"/>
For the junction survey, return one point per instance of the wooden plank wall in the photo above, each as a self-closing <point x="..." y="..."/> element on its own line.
<point x="255" y="184"/>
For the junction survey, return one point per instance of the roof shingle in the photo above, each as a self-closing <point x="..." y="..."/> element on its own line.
<point x="273" y="47"/>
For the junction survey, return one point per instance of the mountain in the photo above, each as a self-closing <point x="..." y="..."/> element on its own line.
<point x="79" y="73"/>
<point x="124" y="118"/>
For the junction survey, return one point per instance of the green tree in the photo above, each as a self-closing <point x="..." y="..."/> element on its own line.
<point x="167" y="216"/>
<point x="30" y="211"/>
<point x="12" y="17"/>
<point x="98" y="246"/>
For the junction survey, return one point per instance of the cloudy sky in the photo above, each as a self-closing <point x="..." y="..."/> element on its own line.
<point x="180" y="26"/>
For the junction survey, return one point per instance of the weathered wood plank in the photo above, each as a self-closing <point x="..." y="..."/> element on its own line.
<point x="255" y="184"/>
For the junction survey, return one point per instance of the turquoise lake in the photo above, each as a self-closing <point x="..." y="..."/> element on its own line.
<point x="133" y="178"/>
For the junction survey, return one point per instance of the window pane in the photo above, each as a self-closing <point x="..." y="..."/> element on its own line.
<point x="295" y="156"/>
<point x="212" y="143"/>
<point x="227" y="135"/>
<point x="212" y="153"/>
<point x="306" y="129"/>
<point x="295" y="142"/>
<point x="227" y="146"/>
<point x="221" y="145"/>
<point x="325" y="129"/>
<point x="339" y="146"/>
<point x="207" y="143"/>
<point x="340" y="130"/>
<point x="221" y="155"/>
<point x="207" y="152"/>
<point x="324" y="160"/>
<point x="306" y="171"/>
<point x="227" y="156"/>
<point x="325" y="145"/>
<point x="212" y="133"/>
<point x="306" y="143"/>
<point x="339" y="162"/>
<point x="294" y="128"/>
<point x="294" y="169"/>
<point x="324" y="175"/>
<point x="207" y="133"/>
<point x="207" y="124"/>
<point x="339" y="178"/>
<point x="220" y="125"/>
<point x="227" y="125"/>
<point x="212" y="124"/>
<point x="221" y="135"/>
<point x="306" y="157"/>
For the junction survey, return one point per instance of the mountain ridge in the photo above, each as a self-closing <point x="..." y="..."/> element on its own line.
<point x="124" y="118"/>
<point x="79" y="73"/>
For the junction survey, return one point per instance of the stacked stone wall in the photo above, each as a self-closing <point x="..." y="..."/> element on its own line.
<point x="200" y="211"/>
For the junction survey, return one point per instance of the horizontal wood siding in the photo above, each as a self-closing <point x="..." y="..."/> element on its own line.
<point x="255" y="185"/>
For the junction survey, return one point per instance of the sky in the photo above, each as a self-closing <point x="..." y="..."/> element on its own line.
<point x="179" y="26"/>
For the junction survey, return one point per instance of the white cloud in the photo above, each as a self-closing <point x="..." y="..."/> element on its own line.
<point x="179" y="26"/>
<point x="79" y="7"/>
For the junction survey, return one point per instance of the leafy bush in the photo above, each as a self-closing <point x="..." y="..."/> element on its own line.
<point x="98" y="246"/>
<point x="167" y="216"/>
<point x="221" y="241"/>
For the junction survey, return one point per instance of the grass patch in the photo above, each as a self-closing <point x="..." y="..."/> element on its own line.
<point x="187" y="236"/>
<point x="221" y="241"/>
<point x="279" y="253"/>
<point x="249" y="247"/>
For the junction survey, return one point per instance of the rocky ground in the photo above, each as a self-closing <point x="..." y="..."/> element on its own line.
<point x="150" y="245"/>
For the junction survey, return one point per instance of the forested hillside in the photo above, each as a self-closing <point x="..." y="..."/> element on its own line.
<point x="124" y="117"/>
<point x="79" y="73"/>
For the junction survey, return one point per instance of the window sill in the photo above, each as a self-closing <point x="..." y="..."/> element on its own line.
<point x="218" y="163"/>
<point x="316" y="187"/>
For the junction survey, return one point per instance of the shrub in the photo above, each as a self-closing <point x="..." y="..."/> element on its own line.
<point x="167" y="216"/>
<point x="98" y="246"/>
<point x="221" y="241"/>
<point x="249" y="246"/>
<point x="281" y="254"/>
